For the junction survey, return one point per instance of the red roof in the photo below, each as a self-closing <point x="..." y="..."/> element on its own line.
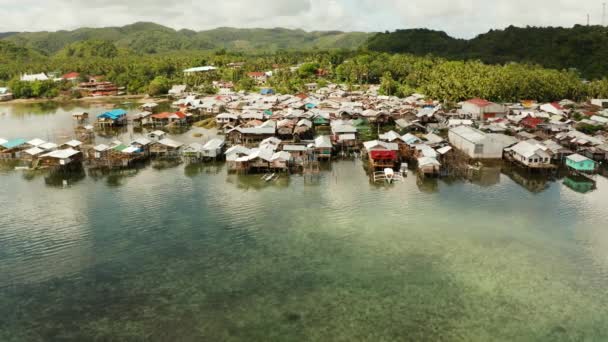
<point x="557" y="106"/>
<point x="383" y="155"/>
<point x="531" y="122"/>
<point x="256" y="74"/>
<point x="167" y="115"/>
<point x="302" y="96"/>
<point x="70" y="76"/>
<point x="480" y="102"/>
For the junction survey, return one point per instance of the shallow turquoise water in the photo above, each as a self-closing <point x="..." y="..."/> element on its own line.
<point x="195" y="254"/>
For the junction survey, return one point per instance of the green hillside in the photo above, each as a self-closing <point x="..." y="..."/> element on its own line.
<point x="154" y="38"/>
<point x="584" y="48"/>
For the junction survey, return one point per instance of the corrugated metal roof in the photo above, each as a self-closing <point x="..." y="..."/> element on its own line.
<point x="61" y="154"/>
<point x="213" y="144"/>
<point x="14" y="143"/>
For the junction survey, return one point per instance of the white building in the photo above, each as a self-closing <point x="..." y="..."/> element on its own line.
<point x="600" y="102"/>
<point x="34" y="77"/>
<point x="479" y="145"/>
<point x="531" y="154"/>
<point x="480" y="109"/>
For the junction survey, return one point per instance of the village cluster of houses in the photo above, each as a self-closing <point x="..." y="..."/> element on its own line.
<point x="86" y="86"/>
<point x="266" y="131"/>
<point x="538" y="136"/>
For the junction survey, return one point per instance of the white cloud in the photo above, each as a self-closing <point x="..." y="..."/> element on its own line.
<point x="461" y="18"/>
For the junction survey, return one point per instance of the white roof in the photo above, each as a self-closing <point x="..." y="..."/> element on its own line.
<point x="390" y="136"/>
<point x="599" y="119"/>
<point x="157" y="133"/>
<point x="214" y="144"/>
<point x="426" y="151"/>
<point x="433" y="138"/>
<point x="237" y="149"/>
<point x="294" y="148"/>
<point x="34" y="151"/>
<point x="426" y="161"/>
<point x="130" y="149"/>
<point x="35" y="77"/>
<point x="36" y="142"/>
<point x="227" y="116"/>
<point x="323" y="141"/>
<point x="271" y="141"/>
<point x="344" y="137"/>
<point x="305" y="122"/>
<point x="73" y="143"/>
<point x="170" y="143"/>
<point x="338" y="129"/>
<point x="444" y="150"/>
<point x="101" y="148"/>
<point x="142" y="141"/>
<point x="61" y="154"/>
<point x="527" y="149"/>
<point x="577" y="158"/>
<point x="380" y="145"/>
<point x="200" y="69"/>
<point x="469" y="133"/>
<point x="48" y="146"/>
<point x="3" y="141"/>
<point x="283" y="156"/>
<point x="194" y="147"/>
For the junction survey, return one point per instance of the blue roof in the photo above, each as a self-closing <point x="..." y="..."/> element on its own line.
<point x="267" y="91"/>
<point x="310" y="105"/>
<point x="14" y="143"/>
<point x="113" y="114"/>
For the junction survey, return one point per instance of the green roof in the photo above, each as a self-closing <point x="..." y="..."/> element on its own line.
<point x="120" y="147"/>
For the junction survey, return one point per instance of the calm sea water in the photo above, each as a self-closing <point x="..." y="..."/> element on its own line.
<point x="191" y="253"/>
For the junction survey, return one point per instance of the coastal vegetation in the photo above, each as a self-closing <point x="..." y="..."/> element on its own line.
<point x="582" y="48"/>
<point x="146" y="58"/>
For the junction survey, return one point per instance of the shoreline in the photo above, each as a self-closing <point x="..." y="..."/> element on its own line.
<point x="139" y="99"/>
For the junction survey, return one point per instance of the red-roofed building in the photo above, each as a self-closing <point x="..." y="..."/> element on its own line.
<point x="302" y="96"/>
<point x="530" y="122"/>
<point x="166" y="118"/>
<point x="71" y="76"/>
<point x="480" y="109"/>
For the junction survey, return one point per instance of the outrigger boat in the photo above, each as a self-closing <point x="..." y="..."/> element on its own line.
<point x="388" y="176"/>
<point x="270" y="176"/>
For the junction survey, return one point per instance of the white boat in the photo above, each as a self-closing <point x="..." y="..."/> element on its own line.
<point x="403" y="169"/>
<point x="389" y="174"/>
<point x="270" y="177"/>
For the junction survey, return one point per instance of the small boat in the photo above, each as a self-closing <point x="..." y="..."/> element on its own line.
<point x="270" y="177"/>
<point x="403" y="169"/>
<point x="389" y="174"/>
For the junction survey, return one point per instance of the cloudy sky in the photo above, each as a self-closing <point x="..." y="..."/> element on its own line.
<point x="461" y="18"/>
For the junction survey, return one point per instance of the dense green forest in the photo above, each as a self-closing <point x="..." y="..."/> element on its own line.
<point x="124" y="56"/>
<point x="153" y="38"/>
<point x="584" y="48"/>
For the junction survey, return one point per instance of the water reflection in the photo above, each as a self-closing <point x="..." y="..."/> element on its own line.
<point x="116" y="177"/>
<point x="580" y="184"/>
<point x="65" y="176"/>
<point x="256" y="183"/>
<point x="196" y="169"/>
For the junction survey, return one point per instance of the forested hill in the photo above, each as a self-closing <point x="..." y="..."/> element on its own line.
<point x="153" y="38"/>
<point x="584" y="48"/>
